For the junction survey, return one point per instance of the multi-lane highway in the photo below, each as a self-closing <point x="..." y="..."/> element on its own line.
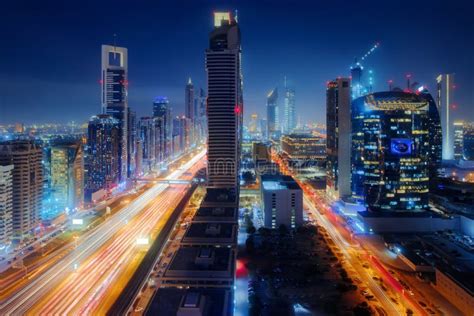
<point x="101" y="262"/>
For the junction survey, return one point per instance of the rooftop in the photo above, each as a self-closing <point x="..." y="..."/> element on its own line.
<point x="273" y="182"/>
<point x="218" y="214"/>
<point x="220" y="197"/>
<point x="220" y="233"/>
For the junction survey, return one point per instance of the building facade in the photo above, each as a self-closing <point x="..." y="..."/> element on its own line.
<point x="338" y="141"/>
<point x="288" y="123"/>
<point x="445" y="99"/>
<point x="391" y="151"/>
<point x="273" y="118"/>
<point x="27" y="177"/>
<point x="6" y="205"/>
<point x="163" y="125"/>
<point x="224" y="102"/>
<point x="115" y="97"/>
<point x="148" y="135"/>
<point x="303" y="147"/>
<point x="468" y="141"/>
<point x="458" y="129"/>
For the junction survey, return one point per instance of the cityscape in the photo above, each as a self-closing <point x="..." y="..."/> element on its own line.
<point x="237" y="158"/>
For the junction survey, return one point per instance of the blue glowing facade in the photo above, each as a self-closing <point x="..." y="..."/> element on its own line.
<point x="391" y="151"/>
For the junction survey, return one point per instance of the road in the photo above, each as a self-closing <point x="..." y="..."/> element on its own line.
<point x="79" y="281"/>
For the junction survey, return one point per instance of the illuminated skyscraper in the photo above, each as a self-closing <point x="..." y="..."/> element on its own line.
<point x="224" y="102"/>
<point x="115" y="97"/>
<point x="253" y="123"/>
<point x="162" y="115"/>
<point x="468" y="142"/>
<point x="148" y="135"/>
<point x="27" y="178"/>
<point x="458" y="128"/>
<point x="67" y="175"/>
<point x="288" y="123"/>
<point x="6" y="205"/>
<point x="132" y="144"/>
<point x="391" y="151"/>
<point x="273" y="119"/>
<point x="189" y="100"/>
<point x="445" y="96"/>
<point x="338" y="141"/>
<point x="103" y="142"/>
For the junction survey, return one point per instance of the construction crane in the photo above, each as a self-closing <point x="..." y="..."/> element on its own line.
<point x="358" y="88"/>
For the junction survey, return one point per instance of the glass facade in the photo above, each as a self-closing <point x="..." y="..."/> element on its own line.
<point x="391" y="151"/>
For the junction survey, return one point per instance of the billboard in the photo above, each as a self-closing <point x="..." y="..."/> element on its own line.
<point x="401" y="146"/>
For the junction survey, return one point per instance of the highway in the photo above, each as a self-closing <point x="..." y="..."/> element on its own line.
<point x="78" y="282"/>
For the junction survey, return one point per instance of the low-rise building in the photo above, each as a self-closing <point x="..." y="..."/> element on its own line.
<point x="224" y="234"/>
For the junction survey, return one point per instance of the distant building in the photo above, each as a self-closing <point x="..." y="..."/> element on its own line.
<point x="445" y="102"/>
<point x="114" y="85"/>
<point x="288" y="123"/>
<point x="67" y="175"/>
<point x="282" y="201"/>
<point x="273" y="117"/>
<point x="260" y="152"/>
<point x="148" y="135"/>
<point x="303" y="147"/>
<point x="103" y="142"/>
<point x="458" y="128"/>
<point x="131" y="143"/>
<point x="224" y="102"/>
<point x="27" y="179"/>
<point x="391" y="151"/>
<point x="6" y="205"/>
<point x="468" y="142"/>
<point x="262" y="127"/>
<point x="338" y="141"/>
<point x="162" y="115"/>
<point x="189" y="101"/>
<point x="253" y="124"/>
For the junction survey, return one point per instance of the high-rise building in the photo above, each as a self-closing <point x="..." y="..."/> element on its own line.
<point x="131" y="143"/>
<point x="224" y="102"/>
<point x="115" y="97"/>
<point x="25" y="155"/>
<point x="302" y="148"/>
<point x="253" y="123"/>
<point x="338" y="141"/>
<point x="148" y="136"/>
<point x="67" y="175"/>
<point x="262" y="127"/>
<point x="289" y="111"/>
<point x="391" y="151"/>
<point x="189" y="100"/>
<point x="273" y="118"/>
<point x="358" y="87"/>
<point x="468" y="141"/>
<point x="445" y="97"/>
<point x="103" y="142"/>
<point x="162" y="115"/>
<point x="458" y="129"/>
<point x="6" y="205"/>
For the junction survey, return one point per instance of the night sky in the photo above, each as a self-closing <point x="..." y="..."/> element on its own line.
<point x="50" y="50"/>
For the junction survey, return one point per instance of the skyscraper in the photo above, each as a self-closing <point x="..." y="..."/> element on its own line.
<point x="115" y="97"/>
<point x="289" y="111"/>
<point x="162" y="115"/>
<point x="338" y="142"/>
<point x="468" y="141"/>
<point x="189" y="100"/>
<point x="103" y="142"/>
<point x="458" y="129"/>
<point x="67" y="175"/>
<point x="445" y="95"/>
<point x="27" y="177"/>
<point x="6" y="205"/>
<point x="131" y="143"/>
<point x="391" y="151"/>
<point x="148" y="137"/>
<point x="273" y="119"/>
<point x="224" y="102"/>
<point x="253" y="123"/>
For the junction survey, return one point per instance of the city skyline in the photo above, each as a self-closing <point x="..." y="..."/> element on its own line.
<point x="55" y="81"/>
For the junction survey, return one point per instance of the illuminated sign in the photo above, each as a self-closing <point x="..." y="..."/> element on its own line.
<point x="77" y="221"/>
<point x="401" y="146"/>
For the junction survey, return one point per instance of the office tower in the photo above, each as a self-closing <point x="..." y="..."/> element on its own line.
<point x="131" y="143"/>
<point x="458" y="129"/>
<point x="139" y="157"/>
<point x="147" y="130"/>
<point x="200" y="117"/>
<point x="338" y="141"/>
<point x="445" y="97"/>
<point x="262" y="127"/>
<point x="224" y="102"/>
<point x="358" y="88"/>
<point x="103" y="148"/>
<point x="178" y="133"/>
<point x="115" y="97"/>
<point x="301" y="149"/>
<point x="282" y="200"/>
<point x="189" y="100"/>
<point x="27" y="177"/>
<point x="289" y="112"/>
<point x="273" y="119"/>
<point x="468" y="141"/>
<point x="162" y="115"/>
<point x="391" y="151"/>
<point x="253" y="123"/>
<point x="67" y="175"/>
<point x="6" y="205"/>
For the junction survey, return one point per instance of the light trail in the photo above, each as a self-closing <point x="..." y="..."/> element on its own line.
<point x="90" y="246"/>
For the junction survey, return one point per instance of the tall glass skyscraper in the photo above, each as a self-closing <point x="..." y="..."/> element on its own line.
<point x="273" y="118"/>
<point x="288" y="123"/>
<point x="162" y="115"/>
<point x="114" y="84"/>
<point x="391" y="151"/>
<point x="338" y="141"/>
<point x="224" y="102"/>
<point x="444" y="98"/>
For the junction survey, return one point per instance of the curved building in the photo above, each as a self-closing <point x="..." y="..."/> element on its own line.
<point x="391" y="152"/>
